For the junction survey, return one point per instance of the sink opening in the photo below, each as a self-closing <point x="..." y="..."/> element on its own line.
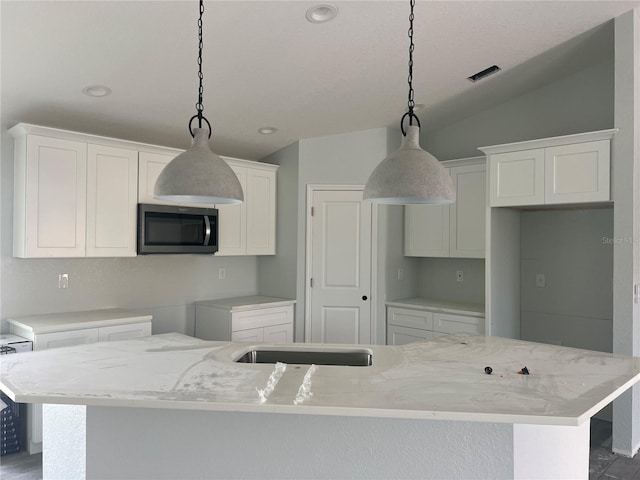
<point x="358" y="358"/>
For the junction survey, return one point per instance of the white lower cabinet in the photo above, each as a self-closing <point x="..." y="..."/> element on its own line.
<point x="229" y="319"/>
<point x="408" y="325"/>
<point x="69" y="338"/>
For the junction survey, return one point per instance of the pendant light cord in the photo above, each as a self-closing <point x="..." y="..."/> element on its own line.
<point x="199" y="104"/>
<point x="411" y="102"/>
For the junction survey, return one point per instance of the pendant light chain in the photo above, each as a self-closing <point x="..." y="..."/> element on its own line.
<point x="411" y="101"/>
<point x="199" y="104"/>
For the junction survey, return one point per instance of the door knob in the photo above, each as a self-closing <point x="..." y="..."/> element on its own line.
<point x="364" y="297"/>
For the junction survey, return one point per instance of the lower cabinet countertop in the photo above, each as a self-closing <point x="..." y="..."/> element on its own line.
<point x="60" y="322"/>
<point x="443" y="379"/>
<point x="420" y="303"/>
<point x="252" y="302"/>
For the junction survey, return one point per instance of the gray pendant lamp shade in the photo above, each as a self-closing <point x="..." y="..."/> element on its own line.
<point x="410" y="175"/>
<point x="198" y="175"/>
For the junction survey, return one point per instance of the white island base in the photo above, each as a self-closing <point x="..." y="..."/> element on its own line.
<point x="152" y="443"/>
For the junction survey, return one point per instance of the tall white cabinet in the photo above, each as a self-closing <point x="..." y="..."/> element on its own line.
<point x="456" y="230"/>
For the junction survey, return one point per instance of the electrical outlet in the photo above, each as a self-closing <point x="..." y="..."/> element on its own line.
<point x="400" y="274"/>
<point x="222" y="274"/>
<point x="459" y="276"/>
<point x="541" y="280"/>
<point x="63" y="280"/>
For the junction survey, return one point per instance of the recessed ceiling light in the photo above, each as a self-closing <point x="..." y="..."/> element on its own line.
<point x="96" y="91"/>
<point x="484" y="73"/>
<point x="267" y="130"/>
<point x="418" y="107"/>
<point x="322" y="13"/>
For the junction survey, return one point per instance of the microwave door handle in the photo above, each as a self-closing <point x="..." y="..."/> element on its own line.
<point x="207" y="230"/>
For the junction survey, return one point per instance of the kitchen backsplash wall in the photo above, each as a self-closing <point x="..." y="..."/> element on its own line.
<point x="163" y="285"/>
<point x="437" y="279"/>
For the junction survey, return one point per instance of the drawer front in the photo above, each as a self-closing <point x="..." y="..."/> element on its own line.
<point x="125" y="332"/>
<point x="253" y="335"/>
<point x="407" y="317"/>
<point x="70" y="338"/>
<point x="261" y="317"/>
<point x="279" y="333"/>
<point x="403" y="335"/>
<point x="450" y="323"/>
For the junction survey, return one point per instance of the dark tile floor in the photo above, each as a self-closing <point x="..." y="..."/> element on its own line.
<point x="603" y="465"/>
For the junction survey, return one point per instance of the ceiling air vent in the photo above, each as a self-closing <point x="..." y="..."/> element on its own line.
<point x="484" y="73"/>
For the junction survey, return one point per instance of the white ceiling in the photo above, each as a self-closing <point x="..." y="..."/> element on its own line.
<point x="265" y="65"/>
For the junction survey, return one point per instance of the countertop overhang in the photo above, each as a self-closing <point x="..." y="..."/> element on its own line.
<point x="442" y="379"/>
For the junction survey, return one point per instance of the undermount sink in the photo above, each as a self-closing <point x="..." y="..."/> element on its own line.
<point x="345" y="358"/>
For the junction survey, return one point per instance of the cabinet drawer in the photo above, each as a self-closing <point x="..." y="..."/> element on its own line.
<point x="125" y="332"/>
<point x="402" y="335"/>
<point x="450" y="323"/>
<point x="262" y="317"/>
<point x="255" y="335"/>
<point x="46" y="341"/>
<point x="406" y="317"/>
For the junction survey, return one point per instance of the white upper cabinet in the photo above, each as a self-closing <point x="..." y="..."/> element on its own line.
<point x="455" y="230"/>
<point x="112" y="194"/>
<point x="72" y="198"/>
<point x="249" y="228"/>
<point x="559" y="170"/>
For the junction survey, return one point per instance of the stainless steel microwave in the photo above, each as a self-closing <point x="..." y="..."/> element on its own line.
<point x="175" y="229"/>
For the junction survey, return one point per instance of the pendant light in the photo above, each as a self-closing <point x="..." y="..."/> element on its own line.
<point x="199" y="175"/>
<point x="410" y="175"/>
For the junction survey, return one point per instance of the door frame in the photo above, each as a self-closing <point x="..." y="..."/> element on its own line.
<point x="373" y="280"/>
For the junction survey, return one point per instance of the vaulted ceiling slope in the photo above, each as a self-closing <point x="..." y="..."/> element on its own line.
<point x="266" y="65"/>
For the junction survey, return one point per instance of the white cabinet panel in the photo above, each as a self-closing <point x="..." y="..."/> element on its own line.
<point x="112" y="187"/>
<point x="426" y="230"/>
<point x="255" y="335"/>
<point x="450" y="323"/>
<point x="577" y="173"/>
<point x="46" y="341"/>
<point x="517" y="178"/>
<point x="261" y="212"/>
<point x="397" y="335"/>
<point x="468" y="213"/>
<point x="408" y="317"/>
<point x="279" y="333"/>
<point x="232" y="221"/>
<point x="124" y="332"/>
<point x="49" y="197"/>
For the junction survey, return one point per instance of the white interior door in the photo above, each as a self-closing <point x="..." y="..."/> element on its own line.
<point x="340" y="293"/>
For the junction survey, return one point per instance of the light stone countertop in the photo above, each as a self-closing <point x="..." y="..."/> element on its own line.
<point x="60" y="322"/>
<point x="438" y="305"/>
<point x="441" y="379"/>
<point x="252" y="302"/>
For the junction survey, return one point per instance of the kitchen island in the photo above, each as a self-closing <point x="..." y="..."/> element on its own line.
<point x="172" y="406"/>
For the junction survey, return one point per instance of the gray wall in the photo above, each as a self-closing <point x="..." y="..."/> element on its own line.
<point x="165" y="286"/>
<point x="574" y="250"/>
<point x="437" y="279"/>
<point x="582" y="102"/>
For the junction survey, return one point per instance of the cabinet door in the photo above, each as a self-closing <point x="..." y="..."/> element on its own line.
<point x="468" y="213"/>
<point x="261" y="212"/>
<point x="55" y="198"/>
<point x="452" y="323"/>
<point x="397" y="335"/>
<point x="578" y="172"/>
<point x="112" y="191"/>
<point x="255" y="335"/>
<point x="426" y="230"/>
<point x="149" y="167"/>
<point x="232" y="221"/>
<point x="46" y="341"/>
<point x="516" y="178"/>
<point x="124" y="332"/>
<point x="409" y="317"/>
<point x="279" y="333"/>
